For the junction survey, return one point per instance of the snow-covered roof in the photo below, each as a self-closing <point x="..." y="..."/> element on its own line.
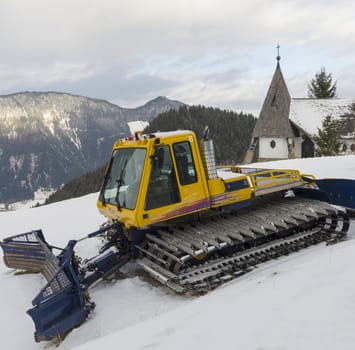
<point x="171" y="133"/>
<point x="137" y="125"/>
<point x="309" y="113"/>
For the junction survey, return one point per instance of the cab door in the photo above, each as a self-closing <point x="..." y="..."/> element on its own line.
<point x="177" y="185"/>
<point x="190" y="176"/>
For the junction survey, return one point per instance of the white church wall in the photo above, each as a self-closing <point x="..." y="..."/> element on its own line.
<point x="273" y="148"/>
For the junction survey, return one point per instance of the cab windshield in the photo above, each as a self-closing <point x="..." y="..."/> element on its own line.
<point x="123" y="178"/>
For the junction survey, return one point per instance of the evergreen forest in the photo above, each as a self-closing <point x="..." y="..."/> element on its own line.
<point x="230" y="131"/>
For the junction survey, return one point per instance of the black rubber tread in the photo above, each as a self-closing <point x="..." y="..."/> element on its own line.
<point x="225" y="246"/>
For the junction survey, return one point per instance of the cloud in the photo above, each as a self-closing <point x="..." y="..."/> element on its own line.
<point x="114" y="28"/>
<point x="203" y="51"/>
<point x="32" y="75"/>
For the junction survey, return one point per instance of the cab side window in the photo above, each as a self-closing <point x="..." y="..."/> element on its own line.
<point x="184" y="162"/>
<point x="163" y="188"/>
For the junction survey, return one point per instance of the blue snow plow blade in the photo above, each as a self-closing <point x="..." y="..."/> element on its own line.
<point x="339" y="191"/>
<point x="27" y="251"/>
<point x="64" y="302"/>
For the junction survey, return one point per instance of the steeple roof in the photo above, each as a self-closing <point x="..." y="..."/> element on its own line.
<point x="273" y="119"/>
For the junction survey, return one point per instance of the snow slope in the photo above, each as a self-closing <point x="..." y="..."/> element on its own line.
<point x="303" y="301"/>
<point x="321" y="167"/>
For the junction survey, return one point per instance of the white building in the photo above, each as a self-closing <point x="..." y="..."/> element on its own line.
<point x="286" y="125"/>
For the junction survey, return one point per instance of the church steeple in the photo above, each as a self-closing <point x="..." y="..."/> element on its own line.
<point x="273" y="135"/>
<point x="273" y="119"/>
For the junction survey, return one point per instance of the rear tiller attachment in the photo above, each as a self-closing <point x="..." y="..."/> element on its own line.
<point x="64" y="302"/>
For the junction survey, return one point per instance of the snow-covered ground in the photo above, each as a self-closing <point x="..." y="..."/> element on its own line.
<point x="39" y="198"/>
<point x="303" y="301"/>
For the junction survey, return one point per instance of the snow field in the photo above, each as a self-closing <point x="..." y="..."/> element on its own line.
<point x="303" y="301"/>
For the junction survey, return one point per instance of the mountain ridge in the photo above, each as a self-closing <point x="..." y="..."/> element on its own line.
<point x="49" y="138"/>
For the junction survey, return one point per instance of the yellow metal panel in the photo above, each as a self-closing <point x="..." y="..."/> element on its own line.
<point x="194" y="196"/>
<point x="234" y="185"/>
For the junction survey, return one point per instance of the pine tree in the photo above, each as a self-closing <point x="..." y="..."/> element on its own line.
<point x="322" y="86"/>
<point x="327" y="138"/>
<point x="347" y="122"/>
<point x="231" y="132"/>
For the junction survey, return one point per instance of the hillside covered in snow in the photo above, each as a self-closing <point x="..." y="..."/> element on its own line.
<point x="303" y="301"/>
<point x="50" y="138"/>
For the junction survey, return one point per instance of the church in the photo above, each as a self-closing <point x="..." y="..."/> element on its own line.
<point x="286" y="126"/>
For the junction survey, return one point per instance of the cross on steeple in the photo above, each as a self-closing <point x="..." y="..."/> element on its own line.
<point x="278" y="52"/>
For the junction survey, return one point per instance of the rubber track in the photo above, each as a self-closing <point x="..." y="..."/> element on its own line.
<point x="203" y="255"/>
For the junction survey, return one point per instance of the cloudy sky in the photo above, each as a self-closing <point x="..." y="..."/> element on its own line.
<point x="219" y="53"/>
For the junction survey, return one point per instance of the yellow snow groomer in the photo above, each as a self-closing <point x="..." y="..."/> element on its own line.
<point x="188" y="223"/>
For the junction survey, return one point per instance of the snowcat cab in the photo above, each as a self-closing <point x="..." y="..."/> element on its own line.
<point x="154" y="179"/>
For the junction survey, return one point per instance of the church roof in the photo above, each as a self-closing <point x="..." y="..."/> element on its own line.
<point x="273" y="120"/>
<point x="309" y="113"/>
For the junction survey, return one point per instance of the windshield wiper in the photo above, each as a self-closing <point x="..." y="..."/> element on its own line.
<point x="119" y="184"/>
<point x="106" y="178"/>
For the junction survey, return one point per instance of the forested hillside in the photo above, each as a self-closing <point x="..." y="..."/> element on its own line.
<point x="230" y="131"/>
<point x="88" y="183"/>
